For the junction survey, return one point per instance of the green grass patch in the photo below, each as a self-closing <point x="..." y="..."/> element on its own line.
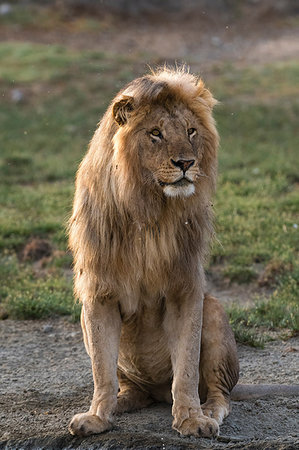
<point x="43" y="139"/>
<point x="34" y="294"/>
<point x="257" y="201"/>
<point x="45" y="133"/>
<point x="262" y="84"/>
<point x="280" y="311"/>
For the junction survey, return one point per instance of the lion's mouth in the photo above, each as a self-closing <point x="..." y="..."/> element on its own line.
<point x="181" y="182"/>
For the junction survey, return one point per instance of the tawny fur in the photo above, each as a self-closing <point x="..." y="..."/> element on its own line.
<point x="139" y="234"/>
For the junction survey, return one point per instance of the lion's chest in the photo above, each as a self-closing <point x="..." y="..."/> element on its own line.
<point x="152" y="250"/>
<point x="145" y="261"/>
<point x="142" y="264"/>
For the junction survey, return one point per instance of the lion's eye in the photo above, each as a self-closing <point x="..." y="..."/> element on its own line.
<point x="191" y="132"/>
<point x="156" y="133"/>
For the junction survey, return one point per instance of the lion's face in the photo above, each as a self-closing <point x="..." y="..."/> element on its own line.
<point x="170" y="149"/>
<point x="169" y="146"/>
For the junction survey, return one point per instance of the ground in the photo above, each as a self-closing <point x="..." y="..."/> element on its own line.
<point x="46" y="377"/>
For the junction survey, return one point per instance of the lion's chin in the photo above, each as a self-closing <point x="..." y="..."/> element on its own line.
<point x="179" y="191"/>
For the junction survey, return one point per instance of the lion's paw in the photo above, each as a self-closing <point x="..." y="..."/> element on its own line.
<point x="217" y="413"/>
<point x="199" y="427"/>
<point x="86" y="423"/>
<point x="216" y="409"/>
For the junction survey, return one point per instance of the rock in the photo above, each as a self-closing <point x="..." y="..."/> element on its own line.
<point x="48" y="328"/>
<point x="17" y="96"/>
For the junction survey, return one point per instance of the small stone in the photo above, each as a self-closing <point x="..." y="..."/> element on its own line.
<point x="5" y="436"/>
<point x="47" y="328"/>
<point x="291" y="349"/>
<point x="17" y="95"/>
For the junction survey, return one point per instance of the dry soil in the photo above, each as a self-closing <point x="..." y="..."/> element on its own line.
<point x="46" y="378"/>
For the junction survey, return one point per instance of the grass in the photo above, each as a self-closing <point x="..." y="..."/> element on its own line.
<point x="43" y="138"/>
<point x="258" y="201"/>
<point x="44" y="133"/>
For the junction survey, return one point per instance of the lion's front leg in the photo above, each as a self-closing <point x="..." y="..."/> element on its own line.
<point x="183" y="322"/>
<point x="101" y="328"/>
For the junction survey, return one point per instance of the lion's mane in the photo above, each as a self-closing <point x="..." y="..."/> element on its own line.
<point x="124" y="234"/>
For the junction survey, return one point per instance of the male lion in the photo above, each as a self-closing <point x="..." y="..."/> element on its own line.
<point x="139" y="233"/>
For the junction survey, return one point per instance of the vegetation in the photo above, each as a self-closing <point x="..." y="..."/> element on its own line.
<point x="52" y="98"/>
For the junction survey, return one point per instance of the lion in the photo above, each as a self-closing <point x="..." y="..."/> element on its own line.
<point x="140" y="230"/>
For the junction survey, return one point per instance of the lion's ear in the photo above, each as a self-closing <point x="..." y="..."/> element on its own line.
<point x="121" y="109"/>
<point x="206" y="95"/>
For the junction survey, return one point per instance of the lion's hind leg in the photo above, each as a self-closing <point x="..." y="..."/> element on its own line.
<point x="219" y="367"/>
<point x="131" y="396"/>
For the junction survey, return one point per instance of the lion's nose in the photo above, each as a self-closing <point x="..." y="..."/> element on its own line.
<point x="183" y="164"/>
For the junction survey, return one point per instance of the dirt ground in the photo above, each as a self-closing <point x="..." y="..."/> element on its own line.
<point x="45" y="378"/>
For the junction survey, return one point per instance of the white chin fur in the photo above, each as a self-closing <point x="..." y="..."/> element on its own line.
<point x="179" y="191"/>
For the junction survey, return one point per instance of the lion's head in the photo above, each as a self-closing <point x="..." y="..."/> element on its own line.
<point x="166" y="138"/>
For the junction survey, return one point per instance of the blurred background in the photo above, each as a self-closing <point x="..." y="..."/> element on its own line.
<point x="61" y="63"/>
